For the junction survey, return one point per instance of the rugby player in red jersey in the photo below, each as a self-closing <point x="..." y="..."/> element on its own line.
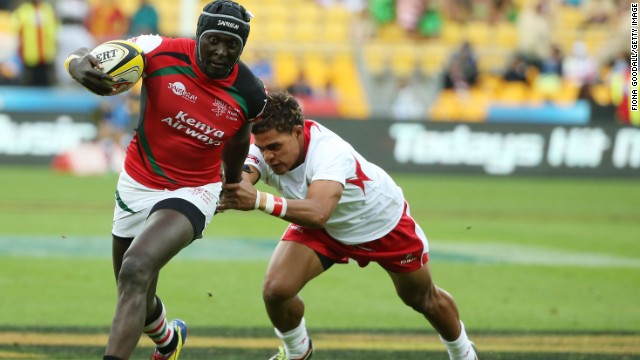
<point x="197" y="103"/>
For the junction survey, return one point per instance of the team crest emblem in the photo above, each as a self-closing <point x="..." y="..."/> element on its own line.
<point x="219" y="107"/>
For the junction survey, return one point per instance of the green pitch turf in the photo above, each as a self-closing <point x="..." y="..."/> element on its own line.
<point x="520" y="255"/>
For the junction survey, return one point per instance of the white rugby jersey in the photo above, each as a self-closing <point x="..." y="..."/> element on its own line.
<point x="371" y="204"/>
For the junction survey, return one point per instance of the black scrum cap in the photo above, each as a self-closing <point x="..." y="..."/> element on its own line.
<point x="227" y="17"/>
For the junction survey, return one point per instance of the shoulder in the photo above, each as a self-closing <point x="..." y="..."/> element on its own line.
<point x="251" y="89"/>
<point x="151" y="44"/>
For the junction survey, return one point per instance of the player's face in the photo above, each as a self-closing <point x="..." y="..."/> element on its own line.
<point x="218" y="53"/>
<point x="281" y="151"/>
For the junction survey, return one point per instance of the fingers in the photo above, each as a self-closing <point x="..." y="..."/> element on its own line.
<point x="89" y="74"/>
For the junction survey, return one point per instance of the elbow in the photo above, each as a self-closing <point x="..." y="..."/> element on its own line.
<point x="319" y="221"/>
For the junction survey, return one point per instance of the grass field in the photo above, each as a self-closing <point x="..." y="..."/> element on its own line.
<point x="540" y="268"/>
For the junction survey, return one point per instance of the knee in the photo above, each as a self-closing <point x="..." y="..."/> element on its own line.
<point x="425" y="301"/>
<point x="277" y="289"/>
<point x="134" y="274"/>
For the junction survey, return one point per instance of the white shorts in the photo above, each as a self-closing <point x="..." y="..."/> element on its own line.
<point x="134" y="201"/>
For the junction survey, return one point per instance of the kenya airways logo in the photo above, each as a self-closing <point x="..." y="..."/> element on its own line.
<point x="179" y="89"/>
<point x="196" y="129"/>
<point x="221" y="108"/>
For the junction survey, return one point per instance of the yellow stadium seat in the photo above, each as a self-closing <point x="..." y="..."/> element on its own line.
<point x="474" y="107"/>
<point x="335" y="32"/>
<point x="505" y="35"/>
<point x="344" y="75"/>
<point x="477" y="33"/>
<point x="375" y="59"/>
<point x="452" y="34"/>
<point x="403" y="61"/>
<point x="316" y="68"/>
<point x="277" y="32"/>
<point x="512" y="93"/>
<point x="446" y="107"/>
<point x="286" y="69"/>
<point x="307" y="32"/>
<point x="309" y="12"/>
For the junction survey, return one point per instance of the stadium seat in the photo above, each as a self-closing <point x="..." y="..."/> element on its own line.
<point x="316" y="67"/>
<point x="477" y="33"/>
<point x="352" y="103"/>
<point x="512" y="93"/>
<point x="403" y="61"/>
<point x="375" y="59"/>
<point x="452" y="34"/>
<point x="446" y="107"/>
<point x="286" y="68"/>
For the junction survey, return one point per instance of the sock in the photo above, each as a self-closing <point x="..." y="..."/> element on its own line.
<point x="159" y="330"/>
<point x="109" y="357"/>
<point x="461" y="348"/>
<point x="296" y="341"/>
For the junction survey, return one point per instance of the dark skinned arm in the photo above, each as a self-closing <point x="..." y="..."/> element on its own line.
<point x="234" y="153"/>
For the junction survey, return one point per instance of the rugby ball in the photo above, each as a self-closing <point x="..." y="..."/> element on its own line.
<point x="122" y="60"/>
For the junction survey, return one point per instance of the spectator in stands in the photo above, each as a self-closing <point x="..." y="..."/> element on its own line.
<point x="552" y="64"/>
<point x="408" y="13"/>
<point x="430" y="23"/>
<point x="107" y="22"/>
<point x="502" y="11"/>
<point x="548" y="81"/>
<point x="535" y="29"/>
<point x="407" y="104"/>
<point x="462" y="70"/>
<point x="458" y="10"/>
<point x="144" y="20"/>
<point x="300" y="87"/>
<point x="35" y="24"/>
<point x="579" y="67"/>
<point x="516" y="70"/>
<point x="598" y="11"/>
<point x="619" y="85"/>
<point x="329" y="92"/>
<point x="382" y="11"/>
<point x="262" y="67"/>
<point x="72" y="34"/>
<point x="353" y="6"/>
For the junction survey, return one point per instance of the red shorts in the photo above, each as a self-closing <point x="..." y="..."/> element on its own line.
<point x="404" y="249"/>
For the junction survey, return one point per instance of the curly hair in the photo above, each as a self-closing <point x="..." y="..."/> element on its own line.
<point x="282" y="113"/>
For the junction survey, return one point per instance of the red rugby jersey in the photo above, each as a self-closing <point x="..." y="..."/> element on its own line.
<point x="186" y="117"/>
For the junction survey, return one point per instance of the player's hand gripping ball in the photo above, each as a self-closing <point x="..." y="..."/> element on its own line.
<point x="121" y="60"/>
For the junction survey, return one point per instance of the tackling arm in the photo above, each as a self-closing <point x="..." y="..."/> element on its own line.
<point x="313" y="211"/>
<point x="234" y="152"/>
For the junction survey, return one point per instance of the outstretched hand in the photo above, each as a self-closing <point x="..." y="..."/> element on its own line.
<point x="238" y="196"/>
<point x="87" y="70"/>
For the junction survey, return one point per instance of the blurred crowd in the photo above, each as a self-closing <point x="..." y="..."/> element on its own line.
<point x="537" y="59"/>
<point x="42" y="34"/>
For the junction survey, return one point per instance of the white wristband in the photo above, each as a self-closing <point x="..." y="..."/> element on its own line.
<point x="257" y="205"/>
<point x="273" y="205"/>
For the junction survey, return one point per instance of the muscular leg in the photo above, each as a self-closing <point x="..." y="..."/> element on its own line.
<point x="417" y="290"/>
<point x="165" y="233"/>
<point x="119" y="247"/>
<point x="292" y="265"/>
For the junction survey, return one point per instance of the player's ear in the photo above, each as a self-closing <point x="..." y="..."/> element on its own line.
<point x="298" y="130"/>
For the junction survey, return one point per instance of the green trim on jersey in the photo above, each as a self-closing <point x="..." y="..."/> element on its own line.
<point x="235" y="94"/>
<point x="173" y="70"/>
<point x="122" y="205"/>
<point x="142" y="137"/>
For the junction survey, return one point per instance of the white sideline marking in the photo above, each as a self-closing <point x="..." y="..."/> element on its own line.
<point x="256" y="249"/>
<point x="497" y="252"/>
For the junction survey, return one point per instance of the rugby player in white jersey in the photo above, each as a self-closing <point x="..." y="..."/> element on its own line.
<point x="340" y="207"/>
